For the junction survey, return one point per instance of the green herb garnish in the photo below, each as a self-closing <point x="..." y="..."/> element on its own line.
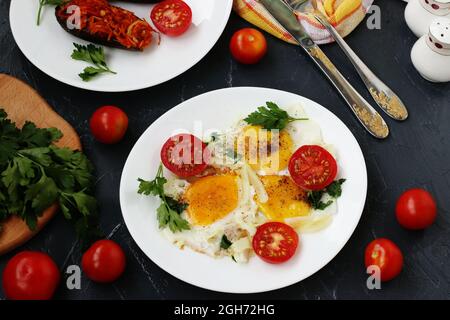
<point x="271" y="117"/>
<point x="169" y="211"/>
<point x="43" y="3"/>
<point x="314" y="198"/>
<point x="94" y="55"/>
<point x="334" y="190"/>
<point x="225" y="243"/>
<point x="35" y="174"/>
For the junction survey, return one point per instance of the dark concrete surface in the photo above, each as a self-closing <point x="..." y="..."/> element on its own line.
<point x="415" y="155"/>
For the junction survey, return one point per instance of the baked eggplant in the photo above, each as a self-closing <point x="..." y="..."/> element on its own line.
<point x="105" y="24"/>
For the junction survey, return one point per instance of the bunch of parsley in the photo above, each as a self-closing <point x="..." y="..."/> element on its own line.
<point x="34" y="174"/>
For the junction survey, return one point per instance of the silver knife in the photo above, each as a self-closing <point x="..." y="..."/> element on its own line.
<point x="366" y="114"/>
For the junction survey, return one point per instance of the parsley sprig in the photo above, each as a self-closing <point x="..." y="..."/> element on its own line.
<point x="43" y="3"/>
<point x="169" y="211"/>
<point x="271" y="117"/>
<point x="225" y="243"/>
<point x="94" y="55"/>
<point x="35" y="174"/>
<point x="334" y="190"/>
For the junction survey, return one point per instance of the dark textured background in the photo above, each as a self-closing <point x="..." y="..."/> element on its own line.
<point x="415" y="155"/>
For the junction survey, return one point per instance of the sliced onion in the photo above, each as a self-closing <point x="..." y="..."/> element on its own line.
<point x="312" y="223"/>
<point x="257" y="184"/>
<point x="245" y="183"/>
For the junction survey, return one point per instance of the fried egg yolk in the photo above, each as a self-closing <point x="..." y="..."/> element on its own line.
<point x="267" y="150"/>
<point x="211" y="198"/>
<point x="286" y="199"/>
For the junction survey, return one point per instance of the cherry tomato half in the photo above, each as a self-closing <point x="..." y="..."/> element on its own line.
<point x="30" y="275"/>
<point x="416" y="209"/>
<point x="172" y="17"/>
<point x="248" y="46"/>
<point x="275" y="242"/>
<point x="312" y="167"/>
<point x="387" y="256"/>
<point x="109" y="124"/>
<point x="185" y="155"/>
<point x="104" y="261"/>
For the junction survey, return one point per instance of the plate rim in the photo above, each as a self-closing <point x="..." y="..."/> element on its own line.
<point x="168" y="113"/>
<point x="85" y="85"/>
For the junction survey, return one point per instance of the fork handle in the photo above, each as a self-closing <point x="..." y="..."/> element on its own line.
<point x="388" y="101"/>
<point x="365" y="113"/>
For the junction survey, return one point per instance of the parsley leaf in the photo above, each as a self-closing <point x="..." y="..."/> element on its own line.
<point x="225" y="243"/>
<point x="154" y="187"/>
<point x="93" y="55"/>
<point x="270" y="117"/>
<point x="314" y="198"/>
<point x="35" y="137"/>
<point x="41" y="195"/>
<point x="168" y="213"/>
<point x="168" y="217"/>
<point x="334" y="190"/>
<point x="177" y="206"/>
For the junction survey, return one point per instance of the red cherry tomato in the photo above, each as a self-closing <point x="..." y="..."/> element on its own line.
<point x="312" y="167"/>
<point x="387" y="256"/>
<point x="275" y="242"/>
<point x="30" y="275"/>
<point x="416" y="209"/>
<point x="104" y="261"/>
<point x="185" y="155"/>
<point x="172" y="17"/>
<point x="248" y="46"/>
<point x="109" y="124"/>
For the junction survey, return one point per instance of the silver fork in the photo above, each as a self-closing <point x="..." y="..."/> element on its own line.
<point x="386" y="99"/>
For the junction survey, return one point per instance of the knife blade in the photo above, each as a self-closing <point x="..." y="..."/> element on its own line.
<point x="365" y="113"/>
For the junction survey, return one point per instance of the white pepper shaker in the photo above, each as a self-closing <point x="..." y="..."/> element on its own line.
<point x="420" y="13"/>
<point x="431" y="53"/>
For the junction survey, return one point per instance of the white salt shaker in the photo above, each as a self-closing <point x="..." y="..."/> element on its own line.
<point x="420" y="13"/>
<point x="431" y="53"/>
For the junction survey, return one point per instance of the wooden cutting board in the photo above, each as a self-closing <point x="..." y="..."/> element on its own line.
<point x="23" y="103"/>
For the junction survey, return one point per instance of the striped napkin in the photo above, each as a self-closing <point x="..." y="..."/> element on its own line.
<point x="344" y="15"/>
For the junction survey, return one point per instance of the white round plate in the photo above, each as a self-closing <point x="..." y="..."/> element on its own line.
<point x="49" y="47"/>
<point x="219" y="110"/>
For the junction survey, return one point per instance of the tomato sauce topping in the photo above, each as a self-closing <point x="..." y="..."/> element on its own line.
<point x="110" y="23"/>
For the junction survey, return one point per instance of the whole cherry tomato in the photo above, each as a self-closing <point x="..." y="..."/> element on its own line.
<point x="109" y="124"/>
<point x="104" y="261"/>
<point x="384" y="254"/>
<point x="248" y="46"/>
<point x="30" y="275"/>
<point x="416" y="209"/>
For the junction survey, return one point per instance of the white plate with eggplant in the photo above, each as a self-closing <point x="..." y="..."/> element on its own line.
<point x="115" y="46"/>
